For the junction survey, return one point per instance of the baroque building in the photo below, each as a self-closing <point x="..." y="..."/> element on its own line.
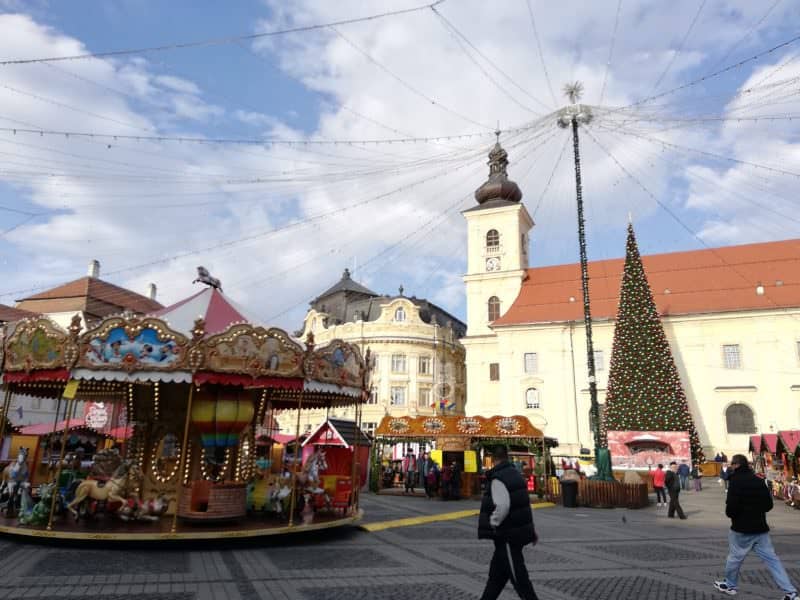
<point x="418" y="358"/>
<point x="731" y="315"/>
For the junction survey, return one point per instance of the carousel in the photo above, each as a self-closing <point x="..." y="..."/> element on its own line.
<point x="192" y="386"/>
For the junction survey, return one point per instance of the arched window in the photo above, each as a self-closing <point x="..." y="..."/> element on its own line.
<point x="532" y="398"/>
<point x="494" y="308"/>
<point x="400" y="314"/>
<point x="492" y="238"/>
<point x="739" y="419"/>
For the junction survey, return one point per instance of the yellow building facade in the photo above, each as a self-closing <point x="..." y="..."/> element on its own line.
<point x="731" y="315"/>
<point x="418" y="359"/>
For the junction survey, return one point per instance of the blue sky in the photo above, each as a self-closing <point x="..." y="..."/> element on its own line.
<point x="154" y="211"/>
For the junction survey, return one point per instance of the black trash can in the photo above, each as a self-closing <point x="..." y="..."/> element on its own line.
<point x="569" y="494"/>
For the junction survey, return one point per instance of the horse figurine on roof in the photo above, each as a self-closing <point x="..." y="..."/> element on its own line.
<point x="203" y="276"/>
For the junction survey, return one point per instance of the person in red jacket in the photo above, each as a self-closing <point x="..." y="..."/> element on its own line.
<point x="658" y="486"/>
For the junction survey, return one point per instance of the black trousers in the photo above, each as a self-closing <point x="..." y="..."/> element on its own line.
<point x="675" y="505"/>
<point x="661" y="496"/>
<point x="508" y="563"/>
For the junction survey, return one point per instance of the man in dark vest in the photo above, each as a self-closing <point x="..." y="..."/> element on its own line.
<point x="673" y="484"/>
<point x="506" y="518"/>
<point x="747" y="505"/>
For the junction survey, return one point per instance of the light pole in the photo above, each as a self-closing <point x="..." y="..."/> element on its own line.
<point x="571" y="116"/>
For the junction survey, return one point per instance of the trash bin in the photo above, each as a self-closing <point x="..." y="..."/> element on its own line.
<point x="569" y="494"/>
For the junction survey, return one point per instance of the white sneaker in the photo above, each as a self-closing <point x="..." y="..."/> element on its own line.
<point x="722" y="586"/>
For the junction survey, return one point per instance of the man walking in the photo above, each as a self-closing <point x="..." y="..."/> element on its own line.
<point x="507" y="519"/>
<point x="409" y="471"/>
<point x="425" y="465"/>
<point x="673" y="486"/>
<point x="747" y="504"/>
<point x="683" y="473"/>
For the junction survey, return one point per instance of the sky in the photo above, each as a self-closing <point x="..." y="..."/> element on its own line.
<point x="390" y="121"/>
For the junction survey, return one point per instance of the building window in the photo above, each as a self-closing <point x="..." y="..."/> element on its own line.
<point x="599" y="361"/>
<point x="732" y="358"/>
<point x="494" y="308"/>
<point x="373" y="397"/>
<point x="424" y="400"/>
<point x="798" y="351"/>
<point x="369" y="427"/>
<point x="398" y="396"/>
<point x="532" y="398"/>
<point x="398" y="363"/>
<point x="424" y="365"/>
<point x="400" y="314"/>
<point x="494" y="371"/>
<point x="531" y="362"/>
<point x="739" y="419"/>
<point x="492" y="238"/>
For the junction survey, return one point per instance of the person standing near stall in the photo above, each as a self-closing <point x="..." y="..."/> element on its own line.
<point x="425" y="464"/>
<point x="659" y="476"/>
<point x="409" y="472"/>
<point x="506" y="518"/>
<point x="673" y="485"/>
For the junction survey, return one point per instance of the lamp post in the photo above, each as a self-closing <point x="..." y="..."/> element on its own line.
<point x="572" y="116"/>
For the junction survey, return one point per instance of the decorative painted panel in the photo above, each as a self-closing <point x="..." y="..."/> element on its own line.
<point x="338" y="363"/>
<point x="36" y="344"/>
<point x="253" y="351"/>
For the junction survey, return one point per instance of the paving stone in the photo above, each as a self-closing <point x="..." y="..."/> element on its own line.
<point x="623" y="588"/>
<point x="650" y="552"/>
<point x="65" y="563"/>
<point x="304" y="559"/>
<point x="388" y="592"/>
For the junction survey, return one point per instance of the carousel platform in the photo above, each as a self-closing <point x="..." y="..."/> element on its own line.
<point x="114" y="530"/>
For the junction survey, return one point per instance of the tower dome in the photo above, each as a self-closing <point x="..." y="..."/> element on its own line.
<point x="498" y="186"/>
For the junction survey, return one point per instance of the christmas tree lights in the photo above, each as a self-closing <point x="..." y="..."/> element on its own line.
<point x="644" y="390"/>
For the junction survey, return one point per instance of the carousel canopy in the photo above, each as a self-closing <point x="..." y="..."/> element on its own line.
<point x="217" y="310"/>
<point x="454" y="426"/>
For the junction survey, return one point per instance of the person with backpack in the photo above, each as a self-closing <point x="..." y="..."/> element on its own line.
<point x="506" y="518"/>
<point x="746" y="505"/>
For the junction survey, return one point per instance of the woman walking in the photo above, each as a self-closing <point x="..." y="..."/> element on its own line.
<point x="658" y="486"/>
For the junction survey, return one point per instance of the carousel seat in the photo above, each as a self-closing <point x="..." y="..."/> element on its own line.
<point x="341" y="499"/>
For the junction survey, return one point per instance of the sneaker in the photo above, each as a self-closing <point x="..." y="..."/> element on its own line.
<point x="790" y="596"/>
<point x="722" y="586"/>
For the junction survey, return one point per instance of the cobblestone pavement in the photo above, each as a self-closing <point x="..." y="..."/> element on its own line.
<point x="591" y="554"/>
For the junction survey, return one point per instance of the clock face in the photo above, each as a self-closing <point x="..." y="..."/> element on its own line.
<point x="493" y="264"/>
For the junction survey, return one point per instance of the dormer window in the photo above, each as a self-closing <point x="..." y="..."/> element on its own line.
<point x="492" y="239"/>
<point x="400" y="314"/>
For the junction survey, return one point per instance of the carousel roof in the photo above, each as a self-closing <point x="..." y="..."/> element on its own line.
<point x="210" y="304"/>
<point x="47" y="428"/>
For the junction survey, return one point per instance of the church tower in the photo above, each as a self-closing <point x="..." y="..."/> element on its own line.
<point x="497" y="246"/>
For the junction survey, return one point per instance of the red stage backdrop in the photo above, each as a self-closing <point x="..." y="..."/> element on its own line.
<point x="646" y="449"/>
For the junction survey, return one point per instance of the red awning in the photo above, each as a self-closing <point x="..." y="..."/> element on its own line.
<point x="790" y="439"/>
<point x="121" y="433"/>
<point x="287" y="383"/>
<point x="45" y="375"/>
<point x="47" y="428"/>
<point x="755" y="443"/>
<point x="770" y="441"/>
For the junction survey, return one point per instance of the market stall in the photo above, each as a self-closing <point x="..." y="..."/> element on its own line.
<point x="195" y="381"/>
<point x="464" y="443"/>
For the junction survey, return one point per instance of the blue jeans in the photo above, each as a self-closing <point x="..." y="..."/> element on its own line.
<point x="740" y="545"/>
<point x="683" y="479"/>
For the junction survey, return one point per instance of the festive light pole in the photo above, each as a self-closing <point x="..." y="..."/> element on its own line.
<point x="571" y="116"/>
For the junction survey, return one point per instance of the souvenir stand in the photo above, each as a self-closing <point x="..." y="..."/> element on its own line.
<point x="195" y="380"/>
<point x="463" y="440"/>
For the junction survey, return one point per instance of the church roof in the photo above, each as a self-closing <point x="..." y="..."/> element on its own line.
<point x="345" y="284"/>
<point x="716" y="280"/>
<point x="75" y="295"/>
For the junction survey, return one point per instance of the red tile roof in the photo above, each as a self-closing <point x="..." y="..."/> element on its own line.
<point x="91" y="287"/>
<point x="698" y="281"/>
<point x="9" y="313"/>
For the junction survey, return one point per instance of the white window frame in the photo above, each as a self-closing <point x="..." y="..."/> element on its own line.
<point x="399" y="364"/>
<point x="531" y="363"/>
<point x="424" y="360"/>
<point x="486" y="239"/>
<point x="395" y="392"/>
<point x="727" y="357"/>
<point x="427" y="394"/>
<point x="599" y="361"/>
<point x="373" y="397"/>
<point x="533" y="401"/>
<point x="369" y="427"/>
<point x="400" y="314"/>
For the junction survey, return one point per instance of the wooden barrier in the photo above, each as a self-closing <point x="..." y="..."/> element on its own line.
<point x="612" y="494"/>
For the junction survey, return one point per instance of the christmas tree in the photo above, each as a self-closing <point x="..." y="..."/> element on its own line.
<point x="644" y="389"/>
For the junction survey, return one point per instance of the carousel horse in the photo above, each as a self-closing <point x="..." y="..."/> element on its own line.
<point x="40" y="513"/>
<point x="309" y="479"/>
<point x="116" y="489"/>
<point x="147" y="510"/>
<point x="15" y="482"/>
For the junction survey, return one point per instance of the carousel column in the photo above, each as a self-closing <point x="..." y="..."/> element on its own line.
<point x="182" y="462"/>
<point x="70" y="391"/>
<point x="293" y="501"/>
<point x="6" y="402"/>
<point x="355" y="485"/>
